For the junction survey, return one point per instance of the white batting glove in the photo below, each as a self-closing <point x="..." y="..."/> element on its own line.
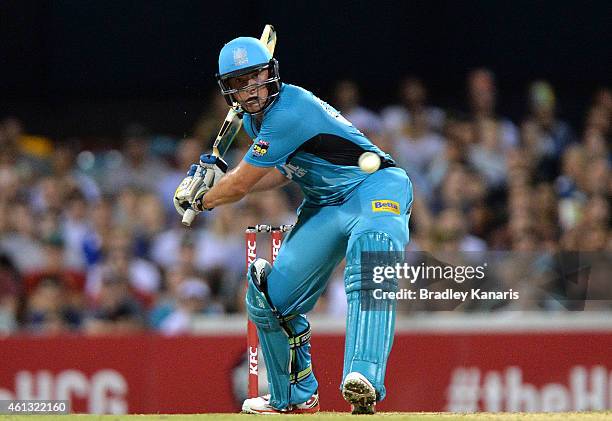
<point x="215" y="170"/>
<point x="185" y="192"/>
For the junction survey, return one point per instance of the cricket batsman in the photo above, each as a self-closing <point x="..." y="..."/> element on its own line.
<point x="346" y="211"/>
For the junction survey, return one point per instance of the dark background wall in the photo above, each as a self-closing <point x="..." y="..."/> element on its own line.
<point x="87" y="67"/>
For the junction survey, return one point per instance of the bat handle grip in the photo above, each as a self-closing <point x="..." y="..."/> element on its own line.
<point x="188" y="217"/>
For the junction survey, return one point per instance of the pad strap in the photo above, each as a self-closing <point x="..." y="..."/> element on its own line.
<point x="301" y="375"/>
<point x="300" y="339"/>
<point x="285" y="319"/>
<point x="296" y="341"/>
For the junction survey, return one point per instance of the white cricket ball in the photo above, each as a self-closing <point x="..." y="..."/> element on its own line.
<point x="369" y="162"/>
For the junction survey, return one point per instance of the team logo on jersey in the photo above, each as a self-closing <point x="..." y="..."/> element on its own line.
<point x="385" y="206"/>
<point x="261" y="148"/>
<point x="240" y="56"/>
<point x="294" y="170"/>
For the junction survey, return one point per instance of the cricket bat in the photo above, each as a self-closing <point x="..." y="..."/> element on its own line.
<point x="233" y="121"/>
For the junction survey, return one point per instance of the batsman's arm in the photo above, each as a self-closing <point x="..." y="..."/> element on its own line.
<point x="272" y="180"/>
<point x="235" y="185"/>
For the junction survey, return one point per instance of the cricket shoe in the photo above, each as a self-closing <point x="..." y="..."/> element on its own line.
<point x="359" y="392"/>
<point x="261" y="405"/>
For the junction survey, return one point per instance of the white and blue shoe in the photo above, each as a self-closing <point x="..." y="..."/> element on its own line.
<point x="261" y="405"/>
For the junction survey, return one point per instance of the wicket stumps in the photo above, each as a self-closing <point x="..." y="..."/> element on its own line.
<point x="276" y="238"/>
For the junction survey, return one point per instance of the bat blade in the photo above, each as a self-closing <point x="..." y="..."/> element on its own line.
<point x="230" y="128"/>
<point x="268" y="37"/>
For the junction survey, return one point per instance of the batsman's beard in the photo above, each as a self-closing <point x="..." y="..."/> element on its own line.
<point x="254" y="104"/>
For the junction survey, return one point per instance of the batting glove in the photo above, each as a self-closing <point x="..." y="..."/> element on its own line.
<point x="184" y="193"/>
<point x="215" y="168"/>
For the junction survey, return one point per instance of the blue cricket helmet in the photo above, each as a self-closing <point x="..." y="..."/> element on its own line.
<point x="245" y="55"/>
<point x="242" y="54"/>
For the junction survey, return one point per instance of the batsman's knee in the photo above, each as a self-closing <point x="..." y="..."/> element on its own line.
<point x="258" y="308"/>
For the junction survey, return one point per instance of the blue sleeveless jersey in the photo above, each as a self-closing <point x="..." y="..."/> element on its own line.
<point x="311" y="143"/>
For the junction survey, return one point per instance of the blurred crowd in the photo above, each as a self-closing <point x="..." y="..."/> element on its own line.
<point x="90" y="241"/>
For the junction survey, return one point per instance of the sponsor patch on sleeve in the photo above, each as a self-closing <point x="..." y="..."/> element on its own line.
<point x="385" y="206"/>
<point x="261" y="148"/>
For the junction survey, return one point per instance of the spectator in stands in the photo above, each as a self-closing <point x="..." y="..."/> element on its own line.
<point x="10" y="294"/>
<point x="487" y="156"/>
<point x="459" y="134"/>
<point x="152" y="222"/>
<point x="10" y="182"/>
<point x="142" y="214"/>
<point x="603" y="98"/>
<point x="116" y="311"/>
<point x="63" y="166"/>
<point x="595" y="145"/>
<point x="570" y="186"/>
<point x="187" y="152"/>
<point x="211" y="251"/>
<point x="599" y="119"/>
<point x="20" y="241"/>
<point x="413" y="101"/>
<point x="218" y="244"/>
<point x="96" y="238"/>
<point x="347" y="101"/>
<point x="193" y="300"/>
<point x="482" y="97"/>
<point x="481" y="217"/>
<point x="421" y="226"/>
<point x="597" y="239"/>
<point x="138" y="169"/>
<point x="174" y="245"/>
<point x="74" y="227"/>
<point x="453" y="235"/>
<point x="167" y="300"/>
<point x="534" y="151"/>
<point x="419" y="145"/>
<point x="127" y="206"/>
<point x="71" y="281"/>
<point x="597" y="212"/>
<point x="455" y="189"/>
<point x="555" y="134"/>
<point x="416" y="148"/>
<point x="545" y="213"/>
<point x="592" y="232"/>
<point x="142" y="276"/>
<point x="49" y="310"/>
<point x="597" y="180"/>
<point x="5" y="227"/>
<point x="31" y="152"/>
<point x="49" y="226"/>
<point x="48" y="195"/>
